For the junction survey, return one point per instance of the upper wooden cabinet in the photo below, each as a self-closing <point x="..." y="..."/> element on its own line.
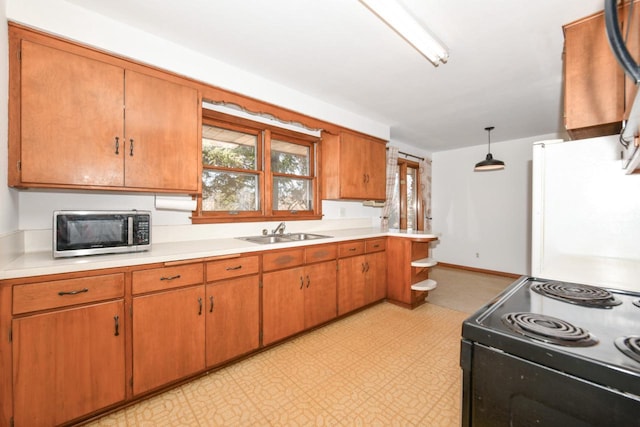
<point x="79" y="119"/>
<point x="597" y="96"/>
<point x="353" y="167"/>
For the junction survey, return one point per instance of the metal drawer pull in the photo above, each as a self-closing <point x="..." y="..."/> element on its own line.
<point x="211" y="308"/>
<point x="352" y="249"/>
<point x="117" y="145"/>
<point x="200" y="306"/>
<point x="308" y="281"/>
<point x="177" y="276"/>
<point x="237" y="267"/>
<point x="117" y="320"/>
<point x="79" y="291"/>
<point x="131" y="147"/>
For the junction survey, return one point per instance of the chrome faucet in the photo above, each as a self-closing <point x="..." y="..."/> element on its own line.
<point x="279" y="229"/>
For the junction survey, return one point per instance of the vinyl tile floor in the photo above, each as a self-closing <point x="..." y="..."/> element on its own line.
<point x="384" y="366"/>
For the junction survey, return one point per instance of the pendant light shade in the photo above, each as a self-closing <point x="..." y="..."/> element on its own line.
<point x="489" y="163"/>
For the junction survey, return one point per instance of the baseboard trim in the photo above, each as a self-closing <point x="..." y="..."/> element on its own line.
<point x="479" y="270"/>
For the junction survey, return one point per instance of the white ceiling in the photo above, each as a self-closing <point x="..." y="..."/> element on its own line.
<point x="504" y="70"/>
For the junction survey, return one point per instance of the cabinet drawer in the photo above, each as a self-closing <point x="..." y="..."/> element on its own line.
<point x="234" y="267"/>
<point x="282" y="259"/>
<point x="320" y="253"/>
<point x="61" y="293"/>
<point x="351" y="248"/>
<point x="375" y="245"/>
<point x="158" y="279"/>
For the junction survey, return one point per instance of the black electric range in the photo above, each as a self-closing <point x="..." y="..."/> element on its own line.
<point x="547" y="352"/>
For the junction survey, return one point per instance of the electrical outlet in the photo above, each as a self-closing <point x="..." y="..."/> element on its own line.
<point x="477" y="254"/>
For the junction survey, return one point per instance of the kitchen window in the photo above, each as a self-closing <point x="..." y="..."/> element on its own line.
<point x="240" y="184"/>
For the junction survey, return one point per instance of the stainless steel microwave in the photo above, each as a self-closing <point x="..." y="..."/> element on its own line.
<point x="77" y="233"/>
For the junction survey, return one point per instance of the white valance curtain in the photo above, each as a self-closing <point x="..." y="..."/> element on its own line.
<point x="392" y="195"/>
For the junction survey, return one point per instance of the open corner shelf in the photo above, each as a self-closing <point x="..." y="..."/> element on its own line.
<point x="424" y="263"/>
<point x="425" y="285"/>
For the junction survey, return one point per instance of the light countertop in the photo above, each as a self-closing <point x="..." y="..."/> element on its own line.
<point x="42" y="262"/>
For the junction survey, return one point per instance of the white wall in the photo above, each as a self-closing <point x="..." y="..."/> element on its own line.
<point x="76" y="23"/>
<point x="8" y="198"/>
<point x="484" y="217"/>
<point x="73" y="22"/>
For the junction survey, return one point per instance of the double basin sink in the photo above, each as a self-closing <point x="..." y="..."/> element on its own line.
<point x="283" y="238"/>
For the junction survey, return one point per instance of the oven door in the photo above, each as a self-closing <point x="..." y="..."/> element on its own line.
<point x="500" y="389"/>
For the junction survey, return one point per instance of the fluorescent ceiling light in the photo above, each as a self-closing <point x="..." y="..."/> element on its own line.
<point x="396" y="17"/>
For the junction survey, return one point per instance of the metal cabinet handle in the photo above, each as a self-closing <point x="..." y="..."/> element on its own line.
<point x="367" y="265"/>
<point x="117" y="145"/>
<point x="79" y="291"/>
<point x="131" y="147"/>
<point x="211" y="306"/>
<point x="308" y="281"/>
<point x="237" y="267"/>
<point x="199" y="306"/>
<point x="117" y="325"/>
<point x="301" y="282"/>
<point x="177" y="276"/>
<point x="363" y="267"/>
<point x="352" y="249"/>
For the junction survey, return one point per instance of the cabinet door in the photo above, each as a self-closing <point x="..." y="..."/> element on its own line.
<point x="68" y="363"/>
<point x="161" y="134"/>
<point x="362" y="168"/>
<point x="594" y="82"/>
<point x="168" y="337"/>
<point x="351" y="283"/>
<point x="377" y="172"/>
<point x="71" y="114"/>
<point x="320" y="293"/>
<point x="282" y="304"/>
<point x="376" y="277"/>
<point x="233" y="319"/>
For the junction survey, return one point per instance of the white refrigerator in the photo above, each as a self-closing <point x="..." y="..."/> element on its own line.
<point x="586" y="214"/>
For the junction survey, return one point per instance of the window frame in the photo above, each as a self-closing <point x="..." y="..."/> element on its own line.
<point x="403" y="166"/>
<point x="265" y="133"/>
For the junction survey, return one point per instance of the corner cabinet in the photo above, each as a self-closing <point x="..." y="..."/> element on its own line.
<point x="597" y="95"/>
<point x="353" y="167"/>
<point x="68" y="348"/>
<point x="83" y="119"/>
<point x="408" y="272"/>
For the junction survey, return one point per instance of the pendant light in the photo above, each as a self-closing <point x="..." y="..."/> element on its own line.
<point x="489" y="164"/>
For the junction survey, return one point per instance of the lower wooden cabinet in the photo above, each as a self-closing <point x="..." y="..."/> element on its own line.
<point x="168" y="337"/>
<point x="87" y="341"/>
<point x="361" y="278"/>
<point x="68" y="363"/>
<point x="232" y="319"/>
<point x="408" y="265"/>
<point x="296" y="299"/>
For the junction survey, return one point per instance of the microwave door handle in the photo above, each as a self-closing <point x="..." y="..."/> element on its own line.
<point x="130" y="231"/>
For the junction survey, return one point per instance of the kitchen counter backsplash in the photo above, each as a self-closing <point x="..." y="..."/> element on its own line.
<point x="190" y="242"/>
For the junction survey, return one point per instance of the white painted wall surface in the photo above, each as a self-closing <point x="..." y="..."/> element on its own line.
<point x="8" y="198"/>
<point x="484" y="217"/>
<point x="73" y="22"/>
<point x="76" y="23"/>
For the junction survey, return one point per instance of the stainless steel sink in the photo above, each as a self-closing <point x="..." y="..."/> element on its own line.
<point x="264" y="240"/>
<point x="306" y="236"/>
<point x="279" y="238"/>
